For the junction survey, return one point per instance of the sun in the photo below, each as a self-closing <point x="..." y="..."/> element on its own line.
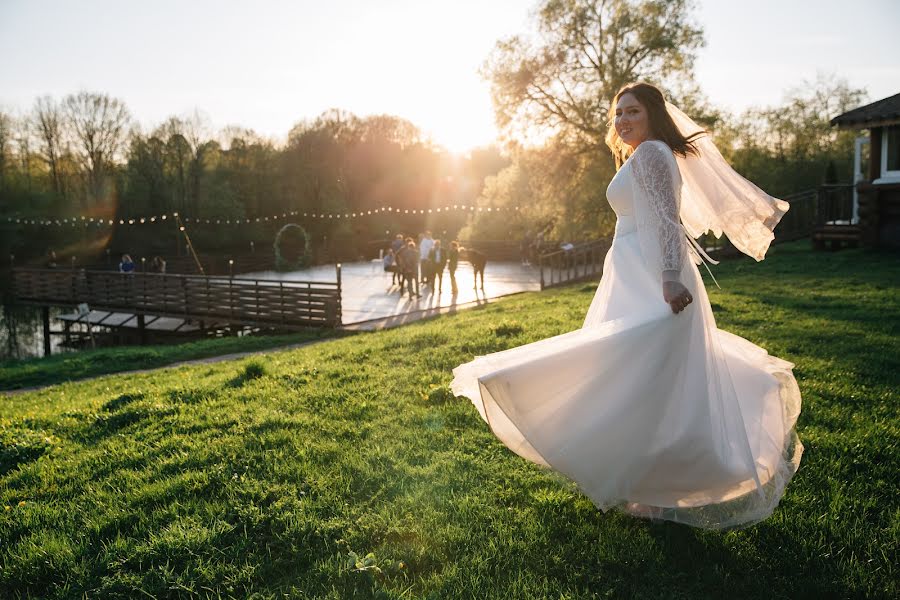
<point x="458" y="124"/>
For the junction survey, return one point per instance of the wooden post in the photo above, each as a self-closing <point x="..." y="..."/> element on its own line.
<point x="45" y="317"/>
<point x="142" y="328"/>
<point x="541" y="267"/>
<point x="231" y="297"/>
<point x="875" y="153"/>
<point x="337" y="316"/>
<point x="185" y="296"/>
<point x="281" y="300"/>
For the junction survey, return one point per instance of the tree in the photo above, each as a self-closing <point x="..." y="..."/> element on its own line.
<point x="146" y="181"/>
<point x="588" y="49"/>
<point x="196" y="131"/>
<point x="788" y="147"/>
<point x="99" y="126"/>
<point x="551" y="97"/>
<point x="177" y="160"/>
<point x="49" y="123"/>
<point x="6" y="138"/>
<point x="24" y="142"/>
<point x="556" y="192"/>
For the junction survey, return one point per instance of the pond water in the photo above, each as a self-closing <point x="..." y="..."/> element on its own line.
<point x="22" y="334"/>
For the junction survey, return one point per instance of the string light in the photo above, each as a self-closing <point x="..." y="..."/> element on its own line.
<point x="101" y="222"/>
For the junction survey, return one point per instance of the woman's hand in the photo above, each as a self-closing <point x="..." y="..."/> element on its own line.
<point x="676" y="295"/>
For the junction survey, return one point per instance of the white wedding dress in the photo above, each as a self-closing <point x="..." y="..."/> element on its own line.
<point x="660" y="415"/>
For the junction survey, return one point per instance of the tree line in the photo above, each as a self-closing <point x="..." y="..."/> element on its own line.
<point x="83" y="154"/>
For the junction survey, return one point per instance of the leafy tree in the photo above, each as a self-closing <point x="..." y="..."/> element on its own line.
<point x="148" y="188"/>
<point x="557" y="193"/>
<point x="555" y="90"/>
<point x="562" y="82"/>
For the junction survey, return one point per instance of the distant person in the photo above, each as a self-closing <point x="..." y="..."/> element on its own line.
<point x="390" y="266"/>
<point x="398" y="243"/>
<point x="157" y="265"/>
<point x="437" y="260"/>
<point x="425" y="247"/>
<point x="409" y="266"/>
<point x="478" y="261"/>
<point x="399" y="261"/>
<point x="452" y="263"/>
<point x="525" y="248"/>
<point x="126" y="265"/>
<point x="51" y="259"/>
<point x="539" y="241"/>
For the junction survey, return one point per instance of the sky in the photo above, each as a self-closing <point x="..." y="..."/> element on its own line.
<point x="267" y="65"/>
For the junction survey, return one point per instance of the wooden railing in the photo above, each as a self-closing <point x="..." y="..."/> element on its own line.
<point x="584" y="261"/>
<point x="835" y="204"/>
<point x="255" y="302"/>
<point x="799" y="222"/>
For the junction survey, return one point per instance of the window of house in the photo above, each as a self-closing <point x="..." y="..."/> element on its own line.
<point x="890" y="152"/>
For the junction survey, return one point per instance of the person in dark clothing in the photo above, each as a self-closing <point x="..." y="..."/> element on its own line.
<point x="157" y="265"/>
<point x="478" y="261"/>
<point x="127" y="265"/>
<point x="389" y="262"/>
<point x="438" y="260"/>
<point x="398" y="243"/>
<point x="409" y="266"/>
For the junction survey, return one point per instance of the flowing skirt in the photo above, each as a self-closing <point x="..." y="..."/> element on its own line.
<point x="659" y="415"/>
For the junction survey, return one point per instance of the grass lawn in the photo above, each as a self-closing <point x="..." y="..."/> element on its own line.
<point x="67" y="366"/>
<point x="347" y="469"/>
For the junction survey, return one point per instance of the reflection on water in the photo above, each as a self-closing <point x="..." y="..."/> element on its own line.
<point x="22" y="334"/>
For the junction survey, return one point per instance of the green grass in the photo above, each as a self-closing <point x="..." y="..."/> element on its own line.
<point x="68" y="366"/>
<point x="347" y="469"/>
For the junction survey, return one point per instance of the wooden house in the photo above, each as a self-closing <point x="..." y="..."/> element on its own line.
<point x="876" y="197"/>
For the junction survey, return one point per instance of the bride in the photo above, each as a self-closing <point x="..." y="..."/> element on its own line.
<point x="649" y="407"/>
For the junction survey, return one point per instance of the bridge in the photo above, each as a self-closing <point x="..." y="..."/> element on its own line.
<point x="281" y="304"/>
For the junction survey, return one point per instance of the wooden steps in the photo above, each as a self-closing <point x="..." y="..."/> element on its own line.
<point x="836" y="236"/>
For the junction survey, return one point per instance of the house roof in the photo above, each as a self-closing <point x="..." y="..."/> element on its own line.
<point x="877" y="114"/>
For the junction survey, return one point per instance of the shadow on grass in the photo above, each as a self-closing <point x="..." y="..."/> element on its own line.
<point x="252" y="371"/>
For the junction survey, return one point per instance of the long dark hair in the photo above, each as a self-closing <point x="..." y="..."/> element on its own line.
<point x="661" y="125"/>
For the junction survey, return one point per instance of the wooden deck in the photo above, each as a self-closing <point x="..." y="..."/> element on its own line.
<point x="236" y="301"/>
<point x="122" y="320"/>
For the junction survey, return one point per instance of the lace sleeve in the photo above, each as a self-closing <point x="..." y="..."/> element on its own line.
<point x="656" y="206"/>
